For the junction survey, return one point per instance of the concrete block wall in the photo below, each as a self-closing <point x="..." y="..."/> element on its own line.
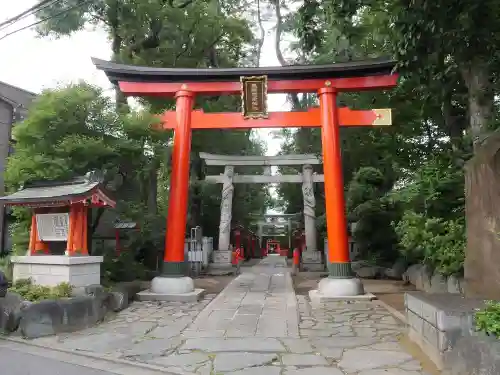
<point x="437" y="321"/>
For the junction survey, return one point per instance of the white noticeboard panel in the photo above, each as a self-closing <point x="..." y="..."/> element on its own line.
<point x="53" y="227"/>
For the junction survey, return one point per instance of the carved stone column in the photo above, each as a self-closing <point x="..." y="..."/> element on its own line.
<point x="309" y="207"/>
<point x="311" y="258"/>
<point x="226" y="208"/>
<point x="260" y="233"/>
<point x="222" y="256"/>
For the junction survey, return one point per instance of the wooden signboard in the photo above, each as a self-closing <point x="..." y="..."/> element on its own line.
<point x="53" y="227"/>
<point x="254" y="97"/>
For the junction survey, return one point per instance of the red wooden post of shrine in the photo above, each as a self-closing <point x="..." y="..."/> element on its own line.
<point x="77" y="243"/>
<point x="36" y="245"/>
<point x="253" y="84"/>
<point x="179" y="179"/>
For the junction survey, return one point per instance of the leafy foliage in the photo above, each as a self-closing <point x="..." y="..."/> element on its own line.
<point x="154" y="33"/>
<point x="6" y="267"/>
<point x="72" y="130"/>
<point x="419" y="160"/>
<point x="35" y="293"/>
<point x="432" y="228"/>
<point x="122" y="267"/>
<point x="438" y="243"/>
<point x="372" y="214"/>
<point x="488" y="319"/>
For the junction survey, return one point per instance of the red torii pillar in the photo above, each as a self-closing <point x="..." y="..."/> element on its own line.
<point x="173" y="257"/>
<point x="339" y="265"/>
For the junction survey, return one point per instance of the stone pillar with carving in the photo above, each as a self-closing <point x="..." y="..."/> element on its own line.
<point x="311" y="258"/>
<point x="222" y="256"/>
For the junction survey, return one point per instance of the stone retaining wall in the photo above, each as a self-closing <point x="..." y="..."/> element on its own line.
<point x="474" y="353"/>
<point x="431" y="282"/>
<point x="437" y="322"/>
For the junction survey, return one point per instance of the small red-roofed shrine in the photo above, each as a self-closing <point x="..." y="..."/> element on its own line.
<point x="60" y="213"/>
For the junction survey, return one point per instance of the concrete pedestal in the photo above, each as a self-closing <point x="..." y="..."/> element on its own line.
<point x="311" y="261"/>
<point x="338" y="289"/>
<point x="50" y="270"/>
<point x="171" y="289"/>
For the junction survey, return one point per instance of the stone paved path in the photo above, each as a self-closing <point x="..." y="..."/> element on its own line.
<point x="256" y="326"/>
<point x="259" y="303"/>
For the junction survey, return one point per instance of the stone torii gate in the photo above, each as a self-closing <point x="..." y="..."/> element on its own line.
<point x="229" y="177"/>
<point x="261" y="222"/>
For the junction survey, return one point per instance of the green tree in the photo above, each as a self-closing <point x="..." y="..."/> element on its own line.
<point x="450" y="47"/>
<point x="179" y="34"/>
<point x="422" y="155"/>
<point x="372" y="214"/>
<point x="72" y="130"/>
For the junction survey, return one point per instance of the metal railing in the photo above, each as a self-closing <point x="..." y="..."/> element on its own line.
<point x="198" y="252"/>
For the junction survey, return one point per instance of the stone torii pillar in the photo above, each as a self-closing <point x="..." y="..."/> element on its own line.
<point x="260" y="233"/>
<point x="309" y="207"/>
<point x="311" y="258"/>
<point x="226" y="209"/>
<point x="222" y="255"/>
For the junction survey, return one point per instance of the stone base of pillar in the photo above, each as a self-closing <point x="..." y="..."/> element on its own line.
<point x="339" y="289"/>
<point x="311" y="261"/>
<point x="221" y="263"/>
<point x="171" y="289"/>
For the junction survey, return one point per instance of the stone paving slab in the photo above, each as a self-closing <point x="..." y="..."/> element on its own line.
<point x="256" y="326"/>
<point x="260" y="302"/>
<point x="145" y="329"/>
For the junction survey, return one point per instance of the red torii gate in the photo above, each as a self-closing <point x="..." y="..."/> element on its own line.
<point x="254" y="84"/>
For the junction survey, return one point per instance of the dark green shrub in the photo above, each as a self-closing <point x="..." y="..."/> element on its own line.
<point x="122" y="267"/>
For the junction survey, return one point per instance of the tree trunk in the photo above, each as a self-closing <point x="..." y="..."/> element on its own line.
<point x="120" y="99"/>
<point x="262" y="33"/>
<point x="116" y="45"/>
<point x="277" y="46"/>
<point x="477" y="79"/>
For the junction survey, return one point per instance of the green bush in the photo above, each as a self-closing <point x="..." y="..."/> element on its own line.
<point x="373" y="214"/>
<point x="34" y="293"/>
<point x="436" y="242"/>
<point x="488" y="319"/>
<point x="123" y="267"/>
<point x="6" y="267"/>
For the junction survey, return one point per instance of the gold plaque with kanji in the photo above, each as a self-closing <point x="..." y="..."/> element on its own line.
<point x="254" y="97"/>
